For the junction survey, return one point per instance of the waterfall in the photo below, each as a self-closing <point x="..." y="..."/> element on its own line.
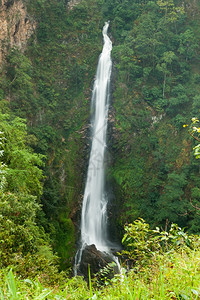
<point x="94" y="207"/>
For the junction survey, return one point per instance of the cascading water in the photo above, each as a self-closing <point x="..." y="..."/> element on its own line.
<point x="94" y="207"/>
<point x="94" y="212"/>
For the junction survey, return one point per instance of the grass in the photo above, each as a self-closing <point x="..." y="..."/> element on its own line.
<point x="175" y="275"/>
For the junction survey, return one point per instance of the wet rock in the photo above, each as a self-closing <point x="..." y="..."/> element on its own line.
<point x="96" y="260"/>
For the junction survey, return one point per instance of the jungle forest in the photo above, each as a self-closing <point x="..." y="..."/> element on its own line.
<point x="100" y="101"/>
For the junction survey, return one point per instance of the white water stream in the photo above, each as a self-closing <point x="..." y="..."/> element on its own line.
<point x="94" y="207"/>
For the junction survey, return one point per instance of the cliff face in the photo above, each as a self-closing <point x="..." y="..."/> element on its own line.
<point x="16" y="26"/>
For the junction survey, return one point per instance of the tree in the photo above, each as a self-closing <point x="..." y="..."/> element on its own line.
<point x="171" y="12"/>
<point x="24" y="243"/>
<point x="23" y="173"/>
<point x="188" y="44"/>
<point x="163" y="66"/>
<point x="172" y="204"/>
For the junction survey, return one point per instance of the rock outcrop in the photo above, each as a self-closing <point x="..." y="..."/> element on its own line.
<point x="97" y="261"/>
<point x="16" y="26"/>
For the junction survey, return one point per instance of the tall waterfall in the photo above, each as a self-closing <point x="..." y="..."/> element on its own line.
<point x="94" y="207"/>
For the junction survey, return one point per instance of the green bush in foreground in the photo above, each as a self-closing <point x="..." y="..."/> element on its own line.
<point x="142" y="243"/>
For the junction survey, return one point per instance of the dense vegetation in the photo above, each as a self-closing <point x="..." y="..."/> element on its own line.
<point x="49" y="85"/>
<point x="24" y="243"/>
<point x="156" y="56"/>
<point x="167" y="267"/>
<point x="44" y="111"/>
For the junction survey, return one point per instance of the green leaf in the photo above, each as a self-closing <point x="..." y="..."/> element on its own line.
<point x="12" y="284"/>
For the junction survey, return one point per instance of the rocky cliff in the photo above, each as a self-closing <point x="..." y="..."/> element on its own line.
<point x="16" y="26"/>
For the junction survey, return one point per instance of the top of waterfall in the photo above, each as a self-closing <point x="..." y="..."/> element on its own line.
<point x="105" y="28"/>
<point x="107" y="40"/>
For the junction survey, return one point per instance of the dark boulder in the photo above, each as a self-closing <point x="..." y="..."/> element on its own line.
<point x="96" y="261"/>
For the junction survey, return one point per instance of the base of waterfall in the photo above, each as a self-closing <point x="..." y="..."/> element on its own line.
<point x="98" y="262"/>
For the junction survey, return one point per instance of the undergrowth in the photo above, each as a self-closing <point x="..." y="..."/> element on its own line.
<point x="169" y="269"/>
<point x="170" y="276"/>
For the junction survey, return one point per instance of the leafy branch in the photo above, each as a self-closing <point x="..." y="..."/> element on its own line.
<point x="192" y="131"/>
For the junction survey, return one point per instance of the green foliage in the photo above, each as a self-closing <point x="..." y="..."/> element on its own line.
<point x="194" y="131"/>
<point x="172" y="203"/>
<point x="156" y="87"/>
<point x="24" y="244"/>
<point x="156" y="83"/>
<point x="49" y="84"/>
<point x="142" y="243"/>
<point x="171" y="11"/>
<point x="23" y="172"/>
<point x="171" y="275"/>
<point x="14" y="287"/>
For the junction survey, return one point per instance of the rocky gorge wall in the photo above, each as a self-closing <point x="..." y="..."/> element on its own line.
<point x="16" y="26"/>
